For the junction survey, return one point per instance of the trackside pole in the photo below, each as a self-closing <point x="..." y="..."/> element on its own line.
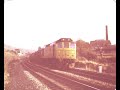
<point x="100" y="69"/>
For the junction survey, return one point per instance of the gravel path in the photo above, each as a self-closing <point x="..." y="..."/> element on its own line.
<point x="23" y="80"/>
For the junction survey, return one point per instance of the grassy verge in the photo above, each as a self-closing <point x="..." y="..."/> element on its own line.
<point x="8" y="57"/>
<point x="93" y="65"/>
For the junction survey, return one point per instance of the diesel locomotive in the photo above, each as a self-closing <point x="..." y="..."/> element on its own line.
<point x="61" y="53"/>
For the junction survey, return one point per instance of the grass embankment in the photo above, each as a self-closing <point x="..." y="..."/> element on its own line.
<point x="8" y="57"/>
<point x="93" y="65"/>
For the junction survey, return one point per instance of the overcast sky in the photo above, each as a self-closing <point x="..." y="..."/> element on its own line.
<point x="33" y="23"/>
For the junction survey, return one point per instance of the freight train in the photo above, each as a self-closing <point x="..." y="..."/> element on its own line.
<point x="61" y="54"/>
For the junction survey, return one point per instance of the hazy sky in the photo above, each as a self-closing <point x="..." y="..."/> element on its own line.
<point x="33" y="23"/>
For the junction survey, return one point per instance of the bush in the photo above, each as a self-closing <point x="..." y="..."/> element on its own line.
<point x="80" y="65"/>
<point x="111" y="68"/>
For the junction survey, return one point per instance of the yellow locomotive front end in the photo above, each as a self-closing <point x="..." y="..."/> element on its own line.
<point x="66" y="50"/>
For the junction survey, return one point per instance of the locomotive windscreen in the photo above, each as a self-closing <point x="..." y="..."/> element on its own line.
<point x="59" y="45"/>
<point x="72" y="45"/>
<point x="66" y="44"/>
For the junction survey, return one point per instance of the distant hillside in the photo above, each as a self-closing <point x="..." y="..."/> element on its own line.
<point x="8" y="47"/>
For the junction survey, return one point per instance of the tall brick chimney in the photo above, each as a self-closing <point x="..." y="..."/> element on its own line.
<point x="106" y="33"/>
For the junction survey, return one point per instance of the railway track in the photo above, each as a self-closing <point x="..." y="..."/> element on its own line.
<point x="94" y="75"/>
<point x="43" y="79"/>
<point x="63" y="82"/>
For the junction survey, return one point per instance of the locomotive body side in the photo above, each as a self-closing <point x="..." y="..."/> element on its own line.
<point x="48" y="52"/>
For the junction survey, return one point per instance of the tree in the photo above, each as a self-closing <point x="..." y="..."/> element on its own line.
<point x="84" y="50"/>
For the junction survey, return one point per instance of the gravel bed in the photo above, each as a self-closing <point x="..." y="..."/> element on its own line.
<point x="23" y="80"/>
<point x="92" y="81"/>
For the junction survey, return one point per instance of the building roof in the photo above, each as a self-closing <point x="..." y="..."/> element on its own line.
<point x="100" y="42"/>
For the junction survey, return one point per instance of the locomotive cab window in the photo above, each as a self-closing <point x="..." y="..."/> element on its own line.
<point x="66" y="44"/>
<point x="59" y="45"/>
<point x="72" y="45"/>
